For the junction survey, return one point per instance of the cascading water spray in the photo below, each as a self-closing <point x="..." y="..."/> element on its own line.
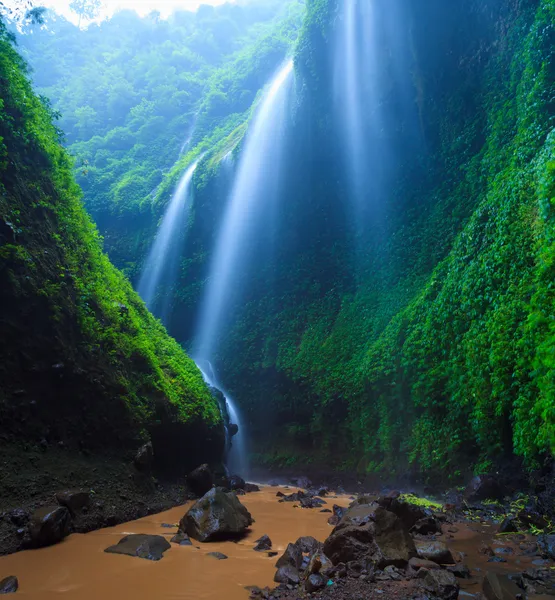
<point x="255" y="188"/>
<point x="162" y="259"/>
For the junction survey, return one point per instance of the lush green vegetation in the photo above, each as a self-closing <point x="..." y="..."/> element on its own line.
<point x="68" y="315"/>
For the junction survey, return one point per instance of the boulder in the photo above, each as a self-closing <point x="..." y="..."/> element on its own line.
<point x="292" y="556"/>
<point x="442" y="584"/>
<point x="49" y="525"/>
<point x="144" y="457"/>
<point x="426" y="526"/>
<point x="437" y="552"/>
<point x="262" y="544"/>
<point x="308" y="545"/>
<point x="288" y="575"/>
<point x="371" y="533"/>
<point x="234" y="482"/>
<point x="9" y="585"/>
<point x="319" y="564"/>
<point x="74" y="500"/>
<point x="217" y="555"/>
<point x="421" y="563"/>
<point x="182" y="539"/>
<point x="314" y="583"/>
<point x="339" y="511"/>
<point x="546" y="546"/>
<point x="409" y="513"/>
<point x="218" y="515"/>
<point x="149" y="547"/>
<point x="251" y="487"/>
<point x="460" y="571"/>
<point x="483" y="487"/>
<point x="200" y="480"/>
<point x="499" y="587"/>
<point x="302" y="482"/>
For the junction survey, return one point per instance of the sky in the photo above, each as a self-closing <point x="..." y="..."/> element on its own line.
<point x="143" y="7"/>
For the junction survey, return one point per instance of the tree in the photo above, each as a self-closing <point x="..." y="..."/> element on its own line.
<point x="88" y="9"/>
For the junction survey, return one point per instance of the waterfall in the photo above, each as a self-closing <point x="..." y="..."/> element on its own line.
<point x="161" y="264"/>
<point x="254" y="191"/>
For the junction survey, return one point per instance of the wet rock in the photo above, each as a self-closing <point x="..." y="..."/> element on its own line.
<point x="339" y="511"/>
<point x="292" y="557"/>
<point x="314" y="583"/>
<point x="302" y="482"/>
<point x="483" y="487"/>
<point x="74" y="500"/>
<point x="333" y="520"/>
<point x="240" y="492"/>
<point x="371" y="533"/>
<point x="312" y="502"/>
<point x="426" y="526"/>
<point x="144" y="457"/>
<point x="417" y="563"/>
<point x="409" y="513"/>
<point x="287" y="574"/>
<point x="487" y="550"/>
<point x="280" y="495"/>
<point x="218" y="515"/>
<point x="325" y="510"/>
<point x="497" y="559"/>
<point x="251" y="487"/>
<point x="200" y="480"/>
<point x="308" y="545"/>
<point x="509" y="525"/>
<point x="437" y="552"/>
<point x="460" y="571"/>
<point x="499" y="587"/>
<point x="319" y="563"/>
<point x="19" y="517"/>
<point x="9" y="585"/>
<point x="234" y="482"/>
<point x="182" y="539"/>
<point x="48" y="526"/>
<point x="217" y="555"/>
<point x="442" y="584"/>
<point x="546" y="546"/>
<point x="323" y="491"/>
<point x="272" y="554"/>
<point x="233" y="429"/>
<point x="168" y="526"/>
<point x="149" y="547"/>
<point x="262" y="544"/>
<point x="503" y="550"/>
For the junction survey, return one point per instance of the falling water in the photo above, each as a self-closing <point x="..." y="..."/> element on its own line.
<point x="254" y="191"/>
<point x="255" y="186"/>
<point x="237" y="456"/>
<point x="162" y="259"/>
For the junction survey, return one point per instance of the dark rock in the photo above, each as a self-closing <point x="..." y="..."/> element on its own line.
<point x="437" y="552"/>
<point x="144" y="457"/>
<point x="272" y="554"/>
<point x="421" y="563"/>
<point x="233" y="429"/>
<point x="292" y="557"/>
<point x="182" y="539"/>
<point x="240" y="492"/>
<point x="326" y="510"/>
<point x="218" y="555"/>
<point x="218" y="515"/>
<point x="149" y="547"/>
<point x="19" y="517"/>
<point x="509" y="525"/>
<point x="371" y="533"/>
<point x="74" y="500"/>
<point x="499" y="587"/>
<point x="426" y="526"/>
<point x="302" y="482"/>
<point x="200" y="480"/>
<point x="168" y="526"/>
<point x="234" y="482"/>
<point x="319" y="563"/>
<point x="280" y="495"/>
<point x="483" y="487"/>
<point x="323" y="491"/>
<point x="308" y="545"/>
<point x="442" y="584"/>
<point x="9" y="585"/>
<point x="460" y="571"/>
<point x="262" y="544"/>
<point x="532" y="519"/>
<point x="487" y="550"/>
<point x="546" y="546"/>
<point x="497" y="559"/>
<point x="334" y="520"/>
<point x="314" y="583"/>
<point x="251" y="487"/>
<point x="339" y="511"/>
<point x="49" y="525"/>
<point x="503" y="550"/>
<point x="311" y="502"/>
<point x="287" y="574"/>
<point x="409" y="513"/>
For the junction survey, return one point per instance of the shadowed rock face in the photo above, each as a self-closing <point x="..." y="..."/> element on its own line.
<point x="48" y="526"/>
<point x="218" y="515"/>
<point x="149" y="547"/>
<point x="372" y="533"/>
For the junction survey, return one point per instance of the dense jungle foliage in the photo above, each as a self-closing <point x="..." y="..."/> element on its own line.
<point x="419" y="335"/>
<point x="83" y="363"/>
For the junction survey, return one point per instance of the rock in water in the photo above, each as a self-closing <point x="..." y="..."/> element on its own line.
<point x="182" y="539"/>
<point x="218" y="555"/>
<point x="437" y="552"/>
<point x="292" y="556"/>
<point x="234" y="482"/>
<point x="263" y="544"/>
<point x="49" y="525"/>
<point x="144" y="457"/>
<point x="218" y="515"/>
<point x="499" y="587"/>
<point x="369" y="532"/>
<point x="308" y="545"/>
<point x="150" y="547"/>
<point x="442" y="584"/>
<point x="251" y="487"/>
<point x="200" y="480"/>
<point x="74" y="500"/>
<point x="9" y="585"/>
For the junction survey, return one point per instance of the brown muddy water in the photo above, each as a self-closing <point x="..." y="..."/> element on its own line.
<point x="79" y="569"/>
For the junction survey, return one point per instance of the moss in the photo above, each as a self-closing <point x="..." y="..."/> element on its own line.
<point x="423" y="502"/>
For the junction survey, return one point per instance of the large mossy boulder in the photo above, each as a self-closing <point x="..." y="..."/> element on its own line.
<point x="218" y="515"/>
<point x="369" y="532"/>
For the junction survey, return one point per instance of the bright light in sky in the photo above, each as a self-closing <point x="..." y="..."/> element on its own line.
<point x="143" y="7"/>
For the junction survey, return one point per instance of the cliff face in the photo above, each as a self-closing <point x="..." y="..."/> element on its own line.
<point x="83" y="366"/>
